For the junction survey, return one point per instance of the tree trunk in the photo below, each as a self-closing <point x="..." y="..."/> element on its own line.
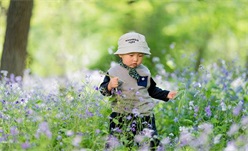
<point x="16" y="36"/>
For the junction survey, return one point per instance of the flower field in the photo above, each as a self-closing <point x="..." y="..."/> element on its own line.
<point x="69" y="113"/>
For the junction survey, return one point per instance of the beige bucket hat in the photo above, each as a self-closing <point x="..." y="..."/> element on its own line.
<point x="132" y="42"/>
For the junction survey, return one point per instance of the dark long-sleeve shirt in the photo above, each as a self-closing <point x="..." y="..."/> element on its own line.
<point x="153" y="90"/>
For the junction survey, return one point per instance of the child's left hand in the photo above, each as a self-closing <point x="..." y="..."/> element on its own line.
<point x="172" y="94"/>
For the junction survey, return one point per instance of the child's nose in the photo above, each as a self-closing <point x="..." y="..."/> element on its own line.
<point x="135" y="58"/>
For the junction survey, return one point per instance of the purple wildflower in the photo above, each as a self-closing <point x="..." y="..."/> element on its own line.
<point x="196" y="110"/>
<point x="206" y="128"/>
<point x="238" y="108"/>
<point x="233" y="129"/>
<point x="137" y="93"/>
<point x="185" y="136"/>
<point x="117" y="129"/>
<point x="141" y="99"/>
<point x="18" y="78"/>
<point x="244" y="121"/>
<point x="14" y="131"/>
<point x="44" y="128"/>
<point x="96" y="88"/>
<point x="136" y="112"/>
<point x="139" y="138"/>
<point x="88" y="113"/>
<point x="3" y="102"/>
<point x="129" y="117"/>
<point x="97" y="131"/>
<point x="208" y="110"/>
<point x="175" y="119"/>
<point x="165" y="141"/>
<point x="112" y="142"/>
<point x="26" y="145"/>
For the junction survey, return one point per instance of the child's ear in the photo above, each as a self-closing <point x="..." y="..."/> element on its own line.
<point x="120" y="56"/>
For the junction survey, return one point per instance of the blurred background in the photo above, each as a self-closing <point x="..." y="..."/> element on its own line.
<point x="70" y="35"/>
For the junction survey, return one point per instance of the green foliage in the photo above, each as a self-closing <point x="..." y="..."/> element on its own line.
<point x="214" y="95"/>
<point x="71" y="35"/>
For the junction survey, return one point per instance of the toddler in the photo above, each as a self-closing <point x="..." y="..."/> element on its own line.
<point x="132" y="89"/>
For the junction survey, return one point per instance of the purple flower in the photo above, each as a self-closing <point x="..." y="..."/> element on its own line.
<point x="88" y="113"/>
<point x="136" y="112"/>
<point x="141" y="99"/>
<point x="129" y="117"/>
<point x="97" y="131"/>
<point x="196" y="110"/>
<point x="26" y="145"/>
<point x="233" y="129"/>
<point x="3" y="102"/>
<point x="117" y="129"/>
<point x="208" y="110"/>
<point x="44" y="128"/>
<point x="14" y="131"/>
<point x="237" y="110"/>
<point x="96" y="88"/>
<point x="175" y="119"/>
<point x="112" y="142"/>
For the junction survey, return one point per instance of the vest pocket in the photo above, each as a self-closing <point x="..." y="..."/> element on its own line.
<point x="143" y="80"/>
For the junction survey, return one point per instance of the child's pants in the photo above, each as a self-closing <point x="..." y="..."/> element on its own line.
<point x="130" y="129"/>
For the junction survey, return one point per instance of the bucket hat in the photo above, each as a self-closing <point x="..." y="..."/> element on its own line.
<point x="132" y="42"/>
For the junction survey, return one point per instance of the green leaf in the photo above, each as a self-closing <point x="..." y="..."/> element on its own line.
<point x="214" y="120"/>
<point x="115" y="121"/>
<point x="187" y="122"/>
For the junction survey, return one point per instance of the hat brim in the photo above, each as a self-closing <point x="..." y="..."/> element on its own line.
<point x="132" y="50"/>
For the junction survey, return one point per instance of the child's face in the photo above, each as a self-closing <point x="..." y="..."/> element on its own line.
<point x="132" y="59"/>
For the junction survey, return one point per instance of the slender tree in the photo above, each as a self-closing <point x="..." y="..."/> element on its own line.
<point x="16" y="36"/>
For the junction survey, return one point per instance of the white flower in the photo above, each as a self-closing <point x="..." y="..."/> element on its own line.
<point x="77" y="140"/>
<point x="147" y="132"/>
<point x="165" y="141"/>
<point x="223" y="106"/>
<point x="217" y="138"/>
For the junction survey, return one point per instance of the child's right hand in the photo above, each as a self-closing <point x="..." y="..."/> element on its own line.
<point x="113" y="83"/>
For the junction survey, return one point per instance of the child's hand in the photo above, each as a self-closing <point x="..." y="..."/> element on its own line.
<point x="171" y="94"/>
<point x="113" y="83"/>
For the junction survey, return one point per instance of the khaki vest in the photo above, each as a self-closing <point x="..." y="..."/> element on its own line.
<point x="133" y="98"/>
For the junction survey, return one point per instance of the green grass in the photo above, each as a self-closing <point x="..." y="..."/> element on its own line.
<point x="210" y="112"/>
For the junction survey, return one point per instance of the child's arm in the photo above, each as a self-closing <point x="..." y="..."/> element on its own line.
<point x="113" y="83"/>
<point x="108" y="84"/>
<point x="171" y="94"/>
<point x="158" y="93"/>
<point x="104" y="86"/>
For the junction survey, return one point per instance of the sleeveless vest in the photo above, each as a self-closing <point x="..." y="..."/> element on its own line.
<point x="133" y="96"/>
